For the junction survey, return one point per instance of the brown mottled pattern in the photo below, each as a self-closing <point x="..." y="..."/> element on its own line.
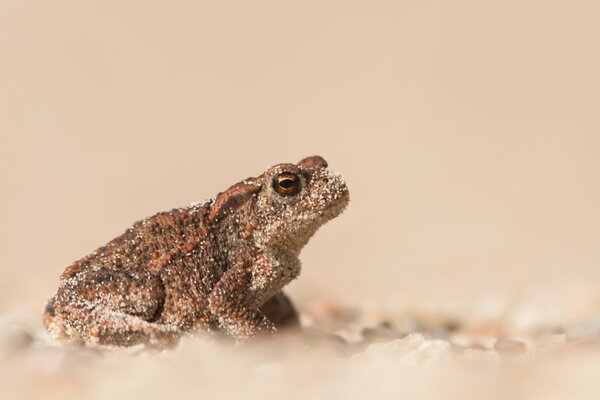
<point x="218" y="266"/>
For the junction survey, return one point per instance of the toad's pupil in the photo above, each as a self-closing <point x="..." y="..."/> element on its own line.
<point x="287" y="183"/>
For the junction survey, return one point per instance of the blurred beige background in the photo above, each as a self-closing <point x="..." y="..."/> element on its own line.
<point x="468" y="132"/>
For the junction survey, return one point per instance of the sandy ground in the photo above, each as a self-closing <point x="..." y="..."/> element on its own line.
<point x="497" y="351"/>
<point x="467" y="264"/>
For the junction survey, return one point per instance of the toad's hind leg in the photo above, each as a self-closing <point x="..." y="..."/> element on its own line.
<point x="280" y="310"/>
<point x="110" y="307"/>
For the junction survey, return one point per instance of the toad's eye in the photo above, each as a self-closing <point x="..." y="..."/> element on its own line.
<point x="286" y="184"/>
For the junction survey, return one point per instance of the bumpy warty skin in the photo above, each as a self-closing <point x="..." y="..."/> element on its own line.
<point x="218" y="266"/>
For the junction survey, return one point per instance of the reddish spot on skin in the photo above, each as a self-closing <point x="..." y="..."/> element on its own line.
<point x="246" y="231"/>
<point x="166" y="260"/>
<point x="154" y="255"/>
<point x="204" y="232"/>
<point x="190" y="247"/>
<point x="94" y="331"/>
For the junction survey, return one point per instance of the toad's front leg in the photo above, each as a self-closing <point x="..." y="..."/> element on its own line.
<point x="237" y="297"/>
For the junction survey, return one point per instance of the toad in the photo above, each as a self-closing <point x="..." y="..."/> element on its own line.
<point x="218" y="266"/>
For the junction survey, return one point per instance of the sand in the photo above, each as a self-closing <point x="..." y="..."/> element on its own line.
<point x="341" y="352"/>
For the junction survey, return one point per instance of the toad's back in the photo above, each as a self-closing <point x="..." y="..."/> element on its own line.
<point x="180" y="236"/>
